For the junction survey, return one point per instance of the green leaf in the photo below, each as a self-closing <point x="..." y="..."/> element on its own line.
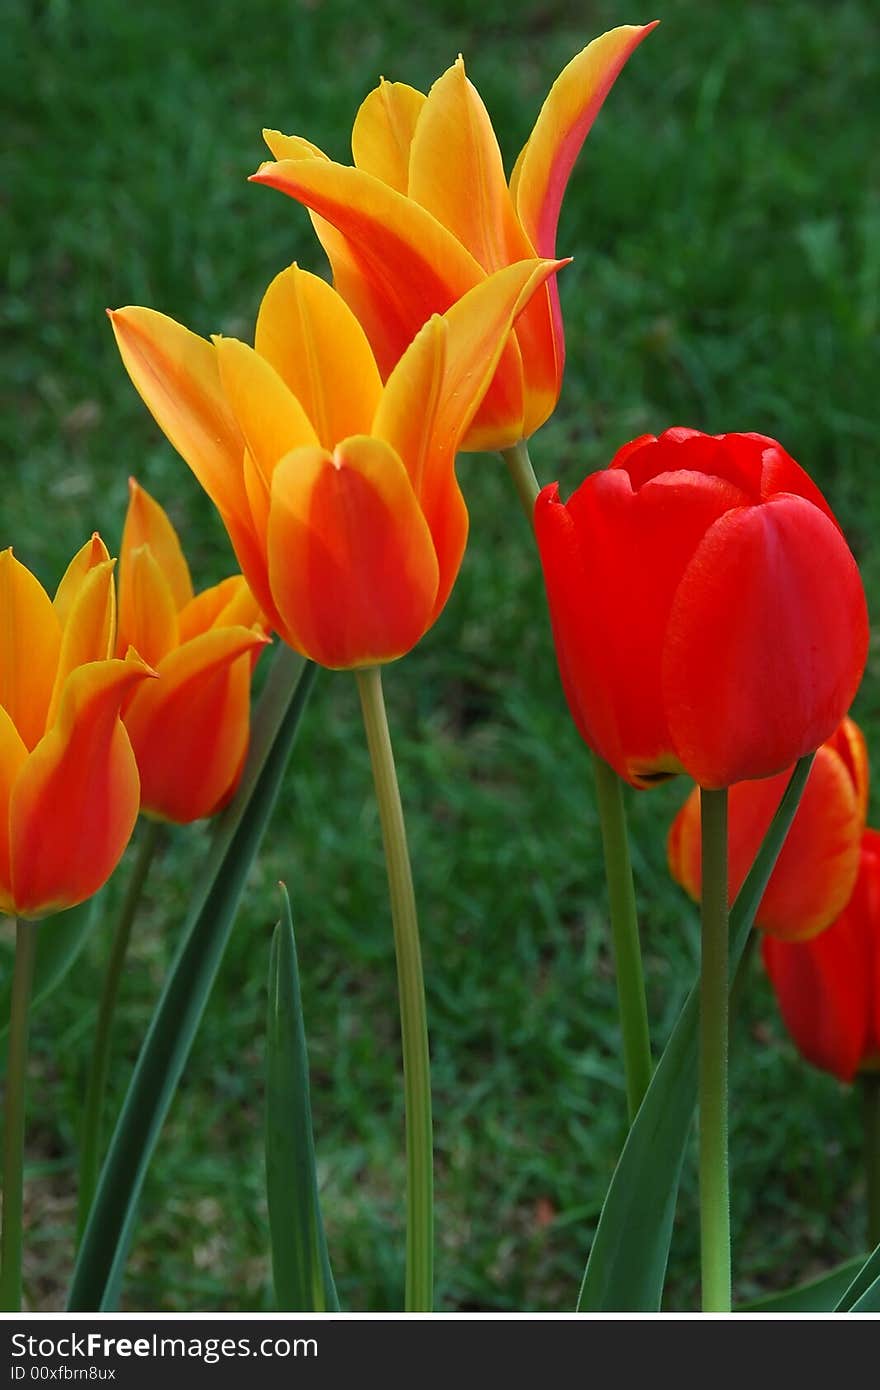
<point x="863" y="1286"/>
<point x="627" y="1264"/>
<point x="817" y="1296"/>
<point x="163" y="1056"/>
<point x="59" y="941"/>
<point x="300" y="1263"/>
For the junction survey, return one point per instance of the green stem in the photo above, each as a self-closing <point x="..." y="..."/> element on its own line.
<point x="13" y="1142"/>
<point x="523" y="474"/>
<point x="870" y="1084"/>
<point x="96" y="1084"/>
<point x="624" y="935"/>
<point x="411" y="989"/>
<point x="714" y="1181"/>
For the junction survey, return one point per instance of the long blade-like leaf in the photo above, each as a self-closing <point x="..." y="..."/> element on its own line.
<point x="865" y="1284"/>
<point x="300" y="1263"/>
<point x="627" y="1264"/>
<point x="165" y="1050"/>
<point x="818" y="1296"/>
<point x="60" y="940"/>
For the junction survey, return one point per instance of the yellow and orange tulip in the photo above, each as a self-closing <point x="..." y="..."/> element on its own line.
<point x="339" y="494"/>
<point x="426" y="213"/>
<point x="190" y="729"/>
<point x="69" y="790"/>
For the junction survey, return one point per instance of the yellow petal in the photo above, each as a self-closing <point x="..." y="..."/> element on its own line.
<point x="175" y="372"/>
<point x="75" y="799"/>
<point x="13" y="756"/>
<point x="93" y="553"/>
<point x="269" y="415"/>
<point x="146" y="523"/>
<point x="291" y="146"/>
<point x="383" y="132"/>
<point x="316" y="345"/>
<point x="90" y="630"/>
<point x="456" y="172"/>
<point x="394" y="263"/>
<point x="30" y="640"/>
<point x="542" y="171"/>
<point x="228" y="604"/>
<point x="351" y="561"/>
<point x="147" y="611"/>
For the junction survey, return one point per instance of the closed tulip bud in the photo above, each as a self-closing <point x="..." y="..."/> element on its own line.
<point x="708" y="615"/>
<point x="69" y="790"/>
<point x="815" y="873"/>
<point x="828" y="988"/>
<point x="190" y="729"/>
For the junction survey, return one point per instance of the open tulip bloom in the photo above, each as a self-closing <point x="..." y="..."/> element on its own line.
<point x="426" y="213"/>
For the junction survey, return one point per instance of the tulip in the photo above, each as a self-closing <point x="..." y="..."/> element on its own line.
<point x="190" y="729"/>
<point x="828" y="987"/>
<point x="707" y="612"/>
<point x="426" y="213"/>
<point x="69" y="789"/>
<point x="816" y="870"/>
<point x="339" y="494"/>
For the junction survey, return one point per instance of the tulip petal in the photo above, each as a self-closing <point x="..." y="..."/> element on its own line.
<point x="227" y="604"/>
<point x="563" y="124"/>
<point x="146" y="523"/>
<point x="270" y="417"/>
<point x="189" y="729"/>
<point x="90" y="630"/>
<point x="13" y="755"/>
<point x="305" y="330"/>
<point x="766" y="643"/>
<point x="147" y="611"/>
<point x="822" y="990"/>
<point x="434" y="391"/>
<point x="402" y="265"/>
<point x="383" y="132"/>
<point x="30" y="640"/>
<point x="93" y="553"/>
<point x="175" y="373"/>
<point x="75" y="801"/>
<point x="848" y="742"/>
<point x="456" y="173"/>
<point x="351" y="561"/>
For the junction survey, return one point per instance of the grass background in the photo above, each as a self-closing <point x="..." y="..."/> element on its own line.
<point x="725" y="222"/>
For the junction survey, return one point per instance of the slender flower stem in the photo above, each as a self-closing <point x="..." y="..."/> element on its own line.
<point x="411" y="989"/>
<point x="870" y="1084"/>
<point x="13" y="1141"/>
<point x="631" y="1002"/>
<point x="521" y="471"/>
<point x="626" y="946"/>
<point x="714" y="1180"/>
<point x="96" y="1084"/>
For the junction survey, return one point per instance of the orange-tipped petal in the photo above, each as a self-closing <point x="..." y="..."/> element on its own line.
<point x="13" y="756"/>
<point x="189" y="729"/>
<point x="90" y="630"/>
<point x="848" y="742"/>
<point x="147" y="611"/>
<point x="227" y="604"/>
<point x="146" y="523"/>
<point x="351" y="561"/>
<point x="409" y="265"/>
<point x="175" y="373"/>
<point x="93" y="553"/>
<point x="383" y="132"/>
<point x="75" y="800"/>
<point x="456" y="173"/>
<point x="30" y="640"/>
<point x="271" y="418"/>
<point x="563" y="124"/>
<point x="316" y="345"/>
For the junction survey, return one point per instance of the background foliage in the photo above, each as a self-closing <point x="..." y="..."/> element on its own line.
<point x="725" y="223"/>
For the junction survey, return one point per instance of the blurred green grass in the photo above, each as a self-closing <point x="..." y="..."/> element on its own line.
<point x="725" y="222"/>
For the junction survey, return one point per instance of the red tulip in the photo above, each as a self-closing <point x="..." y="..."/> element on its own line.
<point x="828" y="988"/>
<point x="707" y="612"/>
<point x="816" y="871"/>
